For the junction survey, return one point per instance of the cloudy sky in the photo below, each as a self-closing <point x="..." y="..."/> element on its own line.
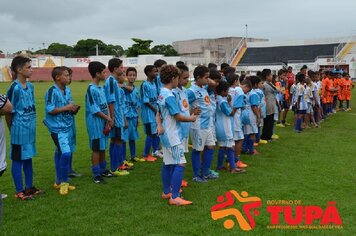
<point x="26" y="24"/>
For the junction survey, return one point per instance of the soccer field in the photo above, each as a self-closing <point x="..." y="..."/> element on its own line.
<point x="312" y="168"/>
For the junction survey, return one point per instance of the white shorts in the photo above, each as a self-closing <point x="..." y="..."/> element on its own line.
<point x="2" y="146"/>
<point x="250" y="129"/>
<point x="238" y="135"/>
<point x="228" y="143"/>
<point x="202" y="138"/>
<point x="174" y="155"/>
<point x="214" y="133"/>
<point x="185" y="145"/>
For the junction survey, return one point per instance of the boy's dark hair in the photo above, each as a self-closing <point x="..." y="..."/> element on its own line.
<point x="300" y="77"/>
<point x="159" y="63"/>
<point x="148" y="69"/>
<point x="254" y="80"/>
<point x="247" y="83"/>
<point x="70" y="71"/>
<point x="223" y="66"/>
<point x="282" y="71"/>
<point x="212" y="66"/>
<point x="304" y="67"/>
<point x="95" y="67"/>
<point x="131" y="69"/>
<point x="228" y="70"/>
<point x="178" y="63"/>
<point x="58" y="70"/>
<point x="265" y="73"/>
<point x="113" y="63"/>
<point x="168" y="72"/>
<point x="345" y="74"/>
<point x="223" y="86"/>
<point x="231" y="78"/>
<point x="18" y="62"/>
<point x="215" y="74"/>
<point x="200" y="71"/>
<point x="183" y="68"/>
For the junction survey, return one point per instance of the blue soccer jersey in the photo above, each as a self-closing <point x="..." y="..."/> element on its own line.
<point x="262" y="102"/>
<point x="61" y="122"/>
<point x="301" y="93"/>
<point x="158" y="84"/>
<point x="114" y="94"/>
<point x="238" y="103"/>
<point x="132" y="99"/>
<point x="148" y="92"/>
<point x="199" y="97"/>
<point x="211" y="93"/>
<point x="182" y="100"/>
<point x="169" y="108"/>
<point x="252" y="100"/>
<point x="23" y="127"/>
<point x="293" y="92"/>
<point x="224" y="131"/>
<point x="95" y="102"/>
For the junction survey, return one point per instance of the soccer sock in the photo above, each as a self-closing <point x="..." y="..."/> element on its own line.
<point x="231" y="158"/>
<point x="16" y="170"/>
<point x="115" y="159"/>
<point x="251" y="148"/>
<point x="111" y="147"/>
<point x="96" y="170"/>
<point x="341" y="104"/>
<point x="221" y="157"/>
<point x="148" y="144"/>
<point x="124" y="151"/>
<point x="237" y="158"/>
<point x="177" y="177"/>
<point x="207" y="159"/>
<point x="258" y="135"/>
<point x="102" y="166"/>
<point x="245" y="144"/>
<point x="166" y="174"/>
<point x="132" y="145"/>
<point x="155" y="143"/>
<point x="299" y="124"/>
<point x="70" y="164"/>
<point x="347" y="103"/>
<point x="28" y="171"/>
<point x="65" y="158"/>
<point x="195" y="162"/>
<point x="56" y="166"/>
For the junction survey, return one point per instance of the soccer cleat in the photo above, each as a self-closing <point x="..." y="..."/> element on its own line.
<point x="74" y="174"/>
<point x="166" y="196"/>
<point x="214" y="172"/>
<point x="128" y="163"/>
<point x="211" y="176"/>
<point x="199" y="179"/>
<point x="64" y="189"/>
<point x="58" y="186"/>
<point x="107" y="174"/>
<point x="286" y="123"/>
<point x="275" y="136"/>
<point x="237" y="171"/>
<point x="184" y="183"/>
<point x="120" y="172"/>
<point x="158" y="154"/>
<point x="33" y="191"/>
<point x="99" y="180"/>
<point x="262" y="141"/>
<point x="150" y="158"/>
<point x="280" y="125"/>
<point x="23" y="196"/>
<point x="138" y="159"/>
<point x="240" y="164"/>
<point x="3" y="196"/>
<point x="125" y="167"/>
<point x="179" y="201"/>
<point x="255" y="144"/>
<point x="221" y="168"/>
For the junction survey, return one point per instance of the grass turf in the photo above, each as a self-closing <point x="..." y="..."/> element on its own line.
<point x="315" y="167"/>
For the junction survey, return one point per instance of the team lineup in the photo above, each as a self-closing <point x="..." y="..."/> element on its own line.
<point x="220" y="108"/>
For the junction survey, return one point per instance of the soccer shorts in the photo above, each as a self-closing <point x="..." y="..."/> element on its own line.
<point x="202" y="138"/>
<point x="20" y="152"/>
<point x="132" y="132"/>
<point x="63" y="141"/>
<point x="174" y="155"/>
<point x="250" y="129"/>
<point x="302" y="112"/>
<point x="99" y="144"/>
<point x="238" y="135"/>
<point x="310" y="109"/>
<point x="185" y="142"/>
<point x="285" y="105"/>
<point x="228" y="143"/>
<point x="150" y="128"/>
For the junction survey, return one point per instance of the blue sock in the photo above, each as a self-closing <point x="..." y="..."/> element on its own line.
<point x="64" y="160"/>
<point x="96" y="170"/>
<point x="258" y="135"/>
<point x="207" y="159"/>
<point x="16" y="170"/>
<point x="245" y="144"/>
<point x="195" y="162"/>
<point x="177" y="177"/>
<point x="102" y="166"/>
<point x="148" y="145"/>
<point x="299" y="124"/>
<point x="155" y="143"/>
<point x="221" y="157"/>
<point x="124" y="151"/>
<point x="166" y="174"/>
<point x="132" y="145"/>
<point x="28" y="171"/>
<point x="347" y="103"/>
<point x="115" y="159"/>
<point x="57" y="166"/>
<point x="111" y="147"/>
<point x="237" y="158"/>
<point x="251" y="148"/>
<point x="231" y="158"/>
<point x="70" y="163"/>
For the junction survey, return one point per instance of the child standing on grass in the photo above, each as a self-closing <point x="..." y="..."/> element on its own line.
<point x="59" y="122"/>
<point x="97" y="118"/>
<point x="173" y="150"/>
<point x="22" y="125"/>
<point x="348" y="86"/>
<point x="301" y="104"/>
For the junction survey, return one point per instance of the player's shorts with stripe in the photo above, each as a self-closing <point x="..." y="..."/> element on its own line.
<point x="132" y="132"/>
<point x="20" y="152"/>
<point x="185" y="142"/>
<point x="228" y="143"/>
<point x="99" y="144"/>
<point x="173" y="155"/>
<point x="150" y="128"/>
<point x="250" y="129"/>
<point x="202" y="138"/>
<point x="64" y="141"/>
<point x="238" y="135"/>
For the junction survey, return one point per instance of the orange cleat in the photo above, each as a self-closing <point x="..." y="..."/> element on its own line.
<point x="179" y="201"/>
<point x="150" y="158"/>
<point x="255" y="144"/>
<point x="240" y="164"/>
<point x="184" y="183"/>
<point x="166" y="196"/>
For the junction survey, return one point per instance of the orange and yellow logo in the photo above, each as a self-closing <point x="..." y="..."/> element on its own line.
<point x="207" y="99"/>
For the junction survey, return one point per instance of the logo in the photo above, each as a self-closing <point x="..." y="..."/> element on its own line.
<point x="225" y="209"/>
<point x="207" y="99"/>
<point x="185" y="104"/>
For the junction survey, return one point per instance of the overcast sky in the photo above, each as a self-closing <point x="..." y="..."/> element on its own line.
<point x="26" y="24"/>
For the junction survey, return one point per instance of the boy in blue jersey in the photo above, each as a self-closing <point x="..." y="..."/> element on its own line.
<point x="115" y="98"/>
<point x="97" y="119"/>
<point x="22" y="125"/>
<point x="158" y="64"/>
<point x="301" y="105"/>
<point x="201" y="130"/>
<point x="132" y="96"/>
<point x="262" y="110"/>
<point x="173" y="150"/>
<point x="59" y="122"/>
<point x="148" y="92"/>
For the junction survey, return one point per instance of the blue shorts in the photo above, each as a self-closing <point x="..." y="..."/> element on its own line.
<point x="20" y="152"/>
<point x="285" y="105"/>
<point x="117" y="133"/>
<point x="132" y="132"/>
<point x="150" y="128"/>
<point x="302" y="112"/>
<point x="99" y="144"/>
<point x="64" y="141"/>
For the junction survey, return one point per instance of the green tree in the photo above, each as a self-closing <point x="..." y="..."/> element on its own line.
<point x="140" y="47"/>
<point x="166" y="50"/>
<point x="87" y="47"/>
<point x="59" y="49"/>
<point x="115" y="50"/>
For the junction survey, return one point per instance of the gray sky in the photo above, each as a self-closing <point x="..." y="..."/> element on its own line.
<point x="27" y="24"/>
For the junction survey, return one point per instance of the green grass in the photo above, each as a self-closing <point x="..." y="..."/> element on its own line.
<point x="315" y="167"/>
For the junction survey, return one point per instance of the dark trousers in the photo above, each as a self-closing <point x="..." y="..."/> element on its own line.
<point x="267" y="130"/>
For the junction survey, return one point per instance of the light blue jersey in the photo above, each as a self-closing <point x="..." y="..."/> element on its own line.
<point x="301" y="93"/>
<point x="169" y="108"/>
<point x="199" y="97"/>
<point x="132" y="99"/>
<point x="61" y="122"/>
<point x="224" y="131"/>
<point x="293" y="92"/>
<point x="182" y="100"/>
<point x="252" y="100"/>
<point x="262" y="102"/>
<point x="95" y="101"/>
<point x="23" y="127"/>
<point x="148" y="92"/>
<point x="114" y="94"/>
<point x="158" y="84"/>
<point x="238" y="103"/>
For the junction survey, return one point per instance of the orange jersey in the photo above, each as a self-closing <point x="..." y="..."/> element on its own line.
<point x="340" y="86"/>
<point x="347" y="86"/>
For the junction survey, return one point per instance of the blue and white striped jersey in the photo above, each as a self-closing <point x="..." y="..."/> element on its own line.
<point x="148" y="92"/>
<point x="224" y="130"/>
<point x="182" y="100"/>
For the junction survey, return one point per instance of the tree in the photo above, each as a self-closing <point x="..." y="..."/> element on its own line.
<point x="115" y="50"/>
<point x="58" y="49"/>
<point x="163" y="49"/>
<point x="140" y="47"/>
<point x="87" y="47"/>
